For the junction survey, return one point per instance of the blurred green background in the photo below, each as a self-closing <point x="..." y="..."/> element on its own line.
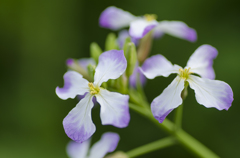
<point x="36" y="38"/>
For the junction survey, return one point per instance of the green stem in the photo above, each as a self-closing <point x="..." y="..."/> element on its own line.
<point x="159" y="144"/>
<point x="183" y="138"/>
<point x="178" y="117"/>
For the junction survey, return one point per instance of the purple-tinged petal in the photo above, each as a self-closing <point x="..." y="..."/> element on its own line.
<point x="201" y="61"/>
<point x="115" y="18"/>
<point x="111" y="65"/>
<point x="139" y="28"/>
<point x="137" y="75"/>
<point x="78" y="150"/>
<point x="122" y="37"/>
<point x="78" y="123"/>
<point x="74" y="84"/>
<point x="107" y="143"/>
<point x="84" y="62"/>
<point x="158" y="65"/>
<point x="114" y="108"/>
<point x="176" y="28"/>
<point x="211" y="93"/>
<point x="157" y="33"/>
<point x="170" y="99"/>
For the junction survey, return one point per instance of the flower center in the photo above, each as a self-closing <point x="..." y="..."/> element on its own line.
<point x="93" y="90"/>
<point x="150" y="17"/>
<point x="184" y="73"/>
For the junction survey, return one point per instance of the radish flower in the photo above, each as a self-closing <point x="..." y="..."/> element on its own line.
<point x="208" y="92"/>
<point x="78" y="123"/>
<point x="115" y="19"/>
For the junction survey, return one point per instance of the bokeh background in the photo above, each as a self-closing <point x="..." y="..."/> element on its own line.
<point x="36" y="38"/>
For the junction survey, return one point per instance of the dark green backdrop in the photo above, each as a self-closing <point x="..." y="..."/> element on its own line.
<point x="36" y="38"/>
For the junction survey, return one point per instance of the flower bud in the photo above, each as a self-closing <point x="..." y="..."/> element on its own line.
<point x="111" y="42"/>
<point x="125" y="46"/>
<point x="91" y="71"/>
<point x="144" y="47"/>
<point x="118" y="154"/>
<point x="95" y="51"/>
<point x="131" y="56"/>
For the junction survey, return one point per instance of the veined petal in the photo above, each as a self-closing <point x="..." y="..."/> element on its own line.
<point x="107" y="143"/>
<point x="78" y="150"/>
<point x="114" y="108"/>
<point x="170" y="98"/>
<point x="74" y="84"/>
<point x="111" y="65"/>
<point x="140" y="27"/>
<point x="211" y="93"/>
<point x="78" y="123"/>
<point x="158" y="65"/>
<point x="201" y="61"/>
<point x="115" y="18"/>
<point x="176" y="28"/>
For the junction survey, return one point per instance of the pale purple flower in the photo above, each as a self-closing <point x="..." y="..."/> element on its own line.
<point x="208" y="92"/>
<point x="78" y="123"/>
<point x="116" y="18"/>
<point x="107" y="143"/>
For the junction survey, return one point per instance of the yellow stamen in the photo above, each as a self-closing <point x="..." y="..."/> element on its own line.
<point x="184" y="73"/>
<point x="93" y="90"/>
<point x="150" y="17"/>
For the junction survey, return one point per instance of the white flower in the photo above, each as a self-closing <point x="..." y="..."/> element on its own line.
<point x="115" y="18"/>
<point x="78" y="123"/>
<point x="209" y="92"/>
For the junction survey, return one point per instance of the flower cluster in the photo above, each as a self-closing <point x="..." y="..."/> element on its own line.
<point x="123" y="69"/>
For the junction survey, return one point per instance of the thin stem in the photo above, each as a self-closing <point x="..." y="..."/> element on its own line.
<point x="178" y="117"/>
<point x="183" y="138"/>
<point x="159" y="144"/>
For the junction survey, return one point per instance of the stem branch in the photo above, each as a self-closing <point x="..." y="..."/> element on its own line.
<point x="182" y="137"/>
<point x="162" y="143"/>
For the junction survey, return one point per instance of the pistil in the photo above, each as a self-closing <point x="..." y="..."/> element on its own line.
<point x="93" y="90"/>
<point x="185" y="73"/>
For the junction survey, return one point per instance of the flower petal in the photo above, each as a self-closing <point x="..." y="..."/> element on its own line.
<point x="78" y="123"/>
<point x="74" y="84"/>
<point x="158" y="65"/>
<point x="137" y="75"/>
<point x="140" y="27"/>
<point x="114" y="108"/>
<point x="211" y="93"/>
<point x="111" y="65"/>
<point x="115" y="18"/>
<point x="176" y="28"/>
<point x="78" y="150"/>
<point x="170" y="98"/>
<point x="201" y="61"/>
<point x="107" y="143"/>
